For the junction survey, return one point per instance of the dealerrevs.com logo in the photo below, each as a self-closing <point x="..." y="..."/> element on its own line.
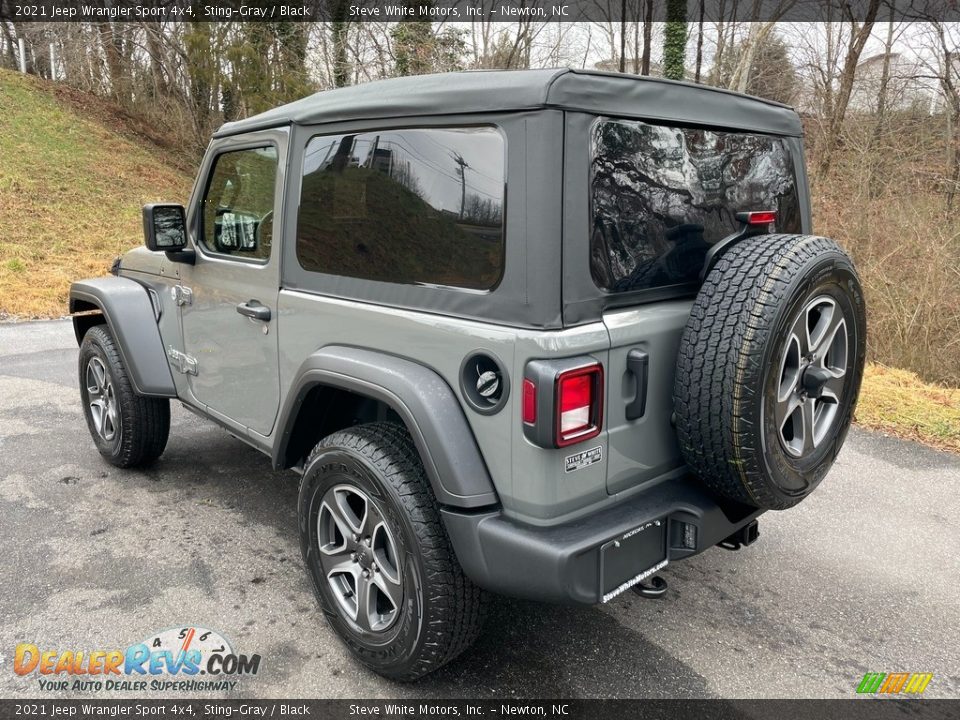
<point x="185" y="659"/>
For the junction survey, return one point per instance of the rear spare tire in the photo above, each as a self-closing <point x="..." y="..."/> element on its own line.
<point x="769" y="368"/>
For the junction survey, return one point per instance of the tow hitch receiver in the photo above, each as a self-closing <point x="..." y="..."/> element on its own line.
<point x="747" y="535"/>
<point x="654" y="589"/>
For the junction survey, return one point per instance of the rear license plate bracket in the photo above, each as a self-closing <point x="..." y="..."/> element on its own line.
<point x="629" y="558"/>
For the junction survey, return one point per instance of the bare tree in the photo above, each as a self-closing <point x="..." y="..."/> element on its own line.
<point x="699" y="60"/>
<point x="338" y="29"/>
<point x="8" y="42"/>
<point x="724" y="27"/>
<point x="835" y="110"/>
<point x="945" y="47"/>
<point x="647" y="36"/>
<point x="757" y="36"/>
<point x="111" y="41"/>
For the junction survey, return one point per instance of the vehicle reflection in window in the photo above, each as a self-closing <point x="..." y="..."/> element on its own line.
<point x="661" y="196"/>
<point x="417" y="206"/>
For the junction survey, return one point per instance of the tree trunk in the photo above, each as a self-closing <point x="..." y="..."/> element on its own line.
<point x="699" y="66"/>
<point x="110" y="41"/>
<point x="858" y="38"/>
<point x="338" y="28"/>
<point x="675" y="40"/>
<point x="158" y="62"/>
<point x="201" y="80"/>
<point x="647" y="36"/>
<point x="740" y="80"/>
<point x="10" y="42"/>
<point x="623" y="35"/>
<point x="874" y="157"/>
<point x="949" y="74"/>
<point x="715" y="74"/>
<point x="954" y="187"/>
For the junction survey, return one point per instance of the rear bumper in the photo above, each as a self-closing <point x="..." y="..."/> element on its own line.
<point x="562" y="563"/>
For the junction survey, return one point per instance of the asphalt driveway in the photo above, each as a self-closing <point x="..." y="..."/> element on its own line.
<point x="863" y="576"/>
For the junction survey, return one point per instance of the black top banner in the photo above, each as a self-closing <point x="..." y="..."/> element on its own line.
<point x="464" y="10"/>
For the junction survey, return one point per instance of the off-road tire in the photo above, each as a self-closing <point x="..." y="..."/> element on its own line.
<point x="144" y="422"/>
<point x="728" y="366"/>
<point x="442" y="611"/>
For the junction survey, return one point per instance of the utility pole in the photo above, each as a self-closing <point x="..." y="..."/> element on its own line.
<point x="462" y="169"/>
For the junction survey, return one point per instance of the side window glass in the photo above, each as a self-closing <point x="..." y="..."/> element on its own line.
<point x="411" y="206"/>
<point x="238" y="204"/>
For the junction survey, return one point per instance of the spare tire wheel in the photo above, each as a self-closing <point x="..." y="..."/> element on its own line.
<point x="769" y="368"/>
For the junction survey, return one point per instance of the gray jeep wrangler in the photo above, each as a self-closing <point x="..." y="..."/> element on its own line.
<point x="537" y="333"/>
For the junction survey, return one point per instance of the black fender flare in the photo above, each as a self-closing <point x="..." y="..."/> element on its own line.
<point x="423" y="400"/>
<point x="129" y="312"/>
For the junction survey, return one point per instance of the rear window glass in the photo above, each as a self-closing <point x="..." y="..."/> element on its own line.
<point x="413" y="206"/>
<point x="661" y="195"/>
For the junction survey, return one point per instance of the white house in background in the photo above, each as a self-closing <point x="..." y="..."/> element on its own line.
<point x="908" y="86"/>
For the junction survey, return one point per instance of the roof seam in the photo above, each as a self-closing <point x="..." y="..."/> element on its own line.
<point x="549" y="86"/>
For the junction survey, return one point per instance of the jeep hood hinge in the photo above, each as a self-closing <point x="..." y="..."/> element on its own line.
<point x="182" y="295"/>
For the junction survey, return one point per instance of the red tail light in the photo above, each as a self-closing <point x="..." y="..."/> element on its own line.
<point x="764" y="217"/>
<point x="579" y="404"/>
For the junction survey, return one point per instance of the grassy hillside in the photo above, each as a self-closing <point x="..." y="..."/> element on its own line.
<point x="74" y="173"/>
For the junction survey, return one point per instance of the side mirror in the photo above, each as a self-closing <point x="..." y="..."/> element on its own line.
<point x="164" y="227"/>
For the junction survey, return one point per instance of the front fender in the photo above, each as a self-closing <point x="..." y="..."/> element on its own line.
<point x="129" y="313"/>
<point x="423" y="400"/>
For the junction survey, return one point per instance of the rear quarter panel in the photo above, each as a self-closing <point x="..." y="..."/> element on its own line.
<point x="529" y="480"/>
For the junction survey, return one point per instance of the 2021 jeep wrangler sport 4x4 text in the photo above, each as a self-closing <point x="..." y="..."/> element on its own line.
<point x="536" y="333"/>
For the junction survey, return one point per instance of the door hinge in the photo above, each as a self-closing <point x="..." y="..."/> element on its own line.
<point x="183" y="362"/>
<point x="182" y="295"/>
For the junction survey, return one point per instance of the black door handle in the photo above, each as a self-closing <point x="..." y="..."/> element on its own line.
<point x="637" y="364"/>
<point x="254" y="309"/>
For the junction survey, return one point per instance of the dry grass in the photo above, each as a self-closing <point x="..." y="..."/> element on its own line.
<point x="898" y="402"/>
<point x="71" y="189"/>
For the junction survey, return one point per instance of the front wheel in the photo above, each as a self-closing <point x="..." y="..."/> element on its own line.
<point x="379" y="558"/>
<point x="128" y="429"/>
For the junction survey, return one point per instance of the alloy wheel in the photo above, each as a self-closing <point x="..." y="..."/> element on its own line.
<point x="812" y="376"/>
<point x="359" y="558"/>
<point x="102" y="400"/>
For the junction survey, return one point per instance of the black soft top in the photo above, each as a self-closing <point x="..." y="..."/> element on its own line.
<point x="486" y="91"/>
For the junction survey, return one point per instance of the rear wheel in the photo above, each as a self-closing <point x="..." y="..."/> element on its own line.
<point x="379" y="557"/>
<point x="128" y="429"/>
<point x="769" y="368"/>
